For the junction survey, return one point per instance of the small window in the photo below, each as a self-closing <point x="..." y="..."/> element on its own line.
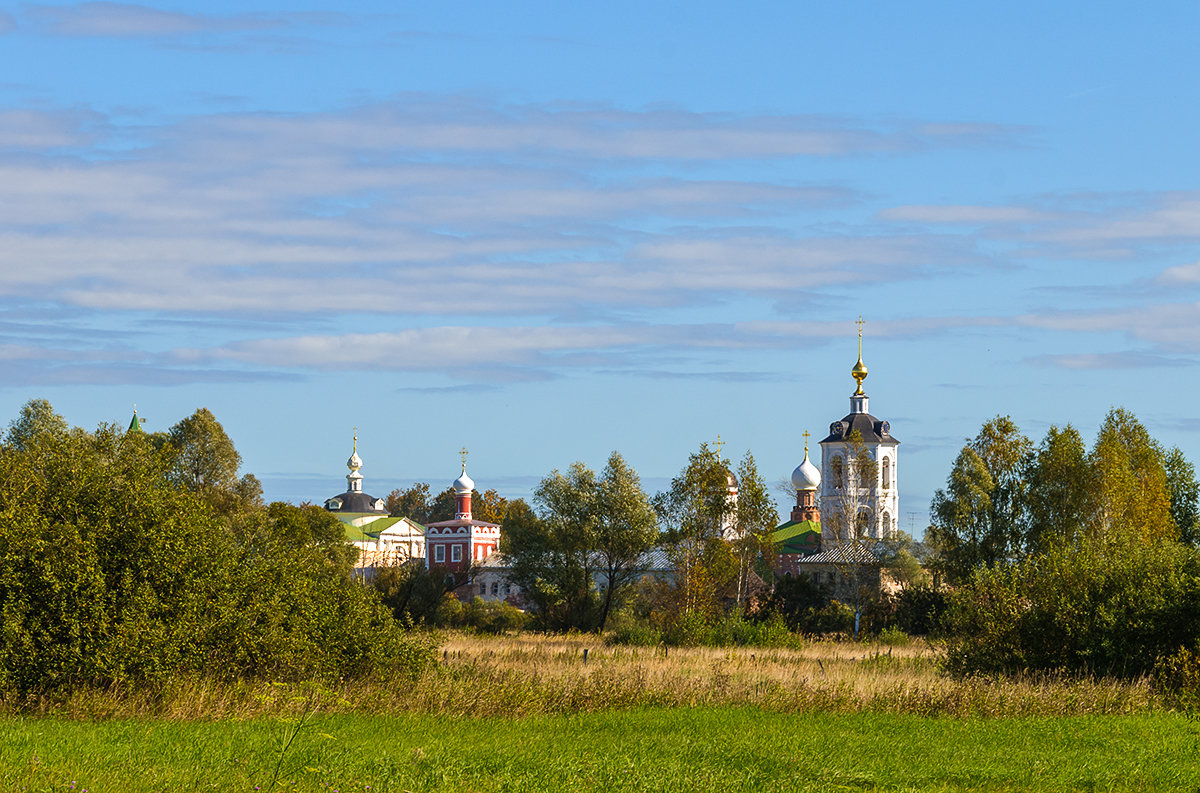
<point x="887" y="473"/>
<point x="439" y="553"/>
<point x="495" y="589"/>
<point x="456" y="553"/>
<point x="482" y="589"/>
<point x="837" y="469"/>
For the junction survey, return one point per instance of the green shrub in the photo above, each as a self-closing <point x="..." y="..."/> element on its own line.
<point x="635" y="634"/>
<point x="494" y="617"/>
<point x="895" y="637"/>
<point x="1176" y="678"/>
<point x="1102" y="607"/>
<point x="112" y="573"/>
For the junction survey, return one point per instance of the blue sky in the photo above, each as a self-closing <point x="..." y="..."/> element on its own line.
<point x="546" y="232"/>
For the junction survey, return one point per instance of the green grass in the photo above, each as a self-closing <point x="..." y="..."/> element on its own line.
<point x="692" y="750"/>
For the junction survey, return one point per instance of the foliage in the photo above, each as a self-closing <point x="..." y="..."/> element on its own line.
<point x="1176" y="678"/>
<point x="112" y="573"/>
<point x="919" y="610"/>
<point x="1185" y="496"/>
<point x="491" y="617"/>
<point x="549" y="553"/>
<point x="1132" y="487"/>
<point x="696" y="512"/>
<point x="1061" y="490"/>
<point x="976" y="520"/>
<point x="411" y="503"/>
<point x="1107" y="606"/>
<point x="1005" y="499"/>
<point x="755" y="518"/>
<point x="624" y="530"/>
<point x="412" y="591"/>
<point x="586" y="529"/>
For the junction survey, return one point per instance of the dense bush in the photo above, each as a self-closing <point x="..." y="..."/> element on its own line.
<point x="113" y="573"/>
<point x="1176" y="678"/>
<point x="1100" y="607"/>
<point x="690" y="630"/>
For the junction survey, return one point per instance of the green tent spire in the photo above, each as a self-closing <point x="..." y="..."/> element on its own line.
<point x="135" y="424"/>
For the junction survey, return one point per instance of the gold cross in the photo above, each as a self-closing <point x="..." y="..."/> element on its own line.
<point x="806" y="434"/>
<point x="860" y="324"/>
<point x="355" y="440"/>
<point x="463" y="453"/>
<point x="720" y="444"/>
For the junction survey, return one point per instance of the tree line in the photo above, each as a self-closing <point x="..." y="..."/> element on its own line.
<point x="1066" y="558"/>
<point x="131" y="558"/>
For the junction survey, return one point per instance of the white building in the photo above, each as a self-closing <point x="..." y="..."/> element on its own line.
<point x="382" y="541"/>
<point x="847" y="492"/>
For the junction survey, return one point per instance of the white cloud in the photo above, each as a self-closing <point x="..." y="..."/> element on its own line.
<point x="966" y="214"/>
<point x="130" y="20"/>
<point x="381" y="208"/>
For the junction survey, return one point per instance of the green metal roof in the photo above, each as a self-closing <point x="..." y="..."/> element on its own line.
<point x="135" y="424"/>
<point x="797" y="536"/>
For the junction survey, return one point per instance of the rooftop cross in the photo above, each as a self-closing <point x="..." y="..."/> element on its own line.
<point x="720" y="444"/>
<point x="806" y="435"/>
<point x="463" y="453"/>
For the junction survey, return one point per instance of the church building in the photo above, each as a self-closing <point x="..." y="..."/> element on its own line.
<point x="381" y="540"/>
<point x="849" y="492"/>
<point x="462" y="542"/>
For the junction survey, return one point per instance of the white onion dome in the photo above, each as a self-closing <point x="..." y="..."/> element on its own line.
<point x="355" y="462"/>
<point x="464" y="484"/>
<point x="806" y="476"/>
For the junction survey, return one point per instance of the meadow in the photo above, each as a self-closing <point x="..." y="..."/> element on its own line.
<point x="531" y="712"/>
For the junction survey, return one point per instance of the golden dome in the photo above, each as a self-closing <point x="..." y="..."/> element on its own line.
<point x="859" y="372"/>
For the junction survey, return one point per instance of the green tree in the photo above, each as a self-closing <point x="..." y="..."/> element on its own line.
<point x="695" y="512"/>
<point x="1061" y="490"/>
<point x="978" y="519"/>
<point x="549" y="553"/>
<point x="37" y="424"/>
<point x="205" y="458"/>
<point x="1185" y="492"/>
<point x="1133" y="494"/>
<point x="411" y="503"/>
<point x="1108" y="605"/>
<point x="624" y="530"/>
<point x="755" y="519"/>
<point x="112" y="573"/>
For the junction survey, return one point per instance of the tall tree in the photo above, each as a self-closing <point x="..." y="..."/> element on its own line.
<point x="979" y="518"/>
<point x="205" y="458"/>
<point x="755" y="520"/>
<point x="37" y="423"/>
<point x="695" y="512"/>
<point x="624" y="530"/>
<point x="959" y="530"/>
<point x="412" y="503"/>
<point x="1005" y="451"/>
<point x="1185" y="493"/>
<point x="1132" y="492"/>
<point x="1061" y="490"/>
<point x="549" y="553"/>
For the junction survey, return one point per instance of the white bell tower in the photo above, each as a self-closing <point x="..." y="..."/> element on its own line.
<point x="849" y="494"/>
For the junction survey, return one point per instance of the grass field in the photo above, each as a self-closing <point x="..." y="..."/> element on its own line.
<point x="529" y="713"/>
<point x="680" y="749"/>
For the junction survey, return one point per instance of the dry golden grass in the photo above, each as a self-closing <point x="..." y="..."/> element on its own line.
<point x="531" y="674"/>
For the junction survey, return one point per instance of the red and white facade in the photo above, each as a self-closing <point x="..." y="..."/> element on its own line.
<point x="459" y="544"/>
